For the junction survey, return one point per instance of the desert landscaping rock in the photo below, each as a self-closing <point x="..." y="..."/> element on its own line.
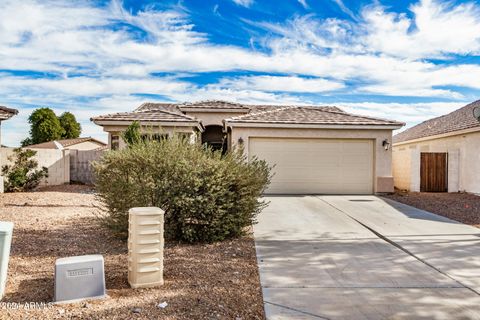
<point x="60" y="221"/>
<point x="462" y="207"/>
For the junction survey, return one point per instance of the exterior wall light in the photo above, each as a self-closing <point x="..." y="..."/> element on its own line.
<point x="386" y="144"/>
<point x="240" y="140"/>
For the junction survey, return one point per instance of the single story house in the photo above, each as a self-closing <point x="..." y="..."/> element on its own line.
<point x="440" y="155"/>
<point x="315" y="150"/>
<point x="5" y="114"/>
<point x="86" y="143"/>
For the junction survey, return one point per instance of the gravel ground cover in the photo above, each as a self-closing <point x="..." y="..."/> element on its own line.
<point x="462" y="207"/>
<point x="212" y="281"/>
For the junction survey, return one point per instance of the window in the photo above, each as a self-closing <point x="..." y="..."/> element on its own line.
<point x="184" y="135"/>
<point x="155" y="136"/>
<point x="115" y="142"/>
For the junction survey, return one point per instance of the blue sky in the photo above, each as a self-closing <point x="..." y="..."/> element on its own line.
<point x="402" y="60"/>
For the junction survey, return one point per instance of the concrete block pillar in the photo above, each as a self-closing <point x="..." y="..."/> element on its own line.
<point x="145" y="247"/>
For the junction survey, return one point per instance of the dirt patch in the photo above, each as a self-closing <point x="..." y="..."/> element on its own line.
<point x="214" y="281"/>
<point x="462" y="207"/>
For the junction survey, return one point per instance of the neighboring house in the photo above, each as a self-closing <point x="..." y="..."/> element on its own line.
<point x="5" y="114"/>
<point x="439" y="155"/>
<point x="315" y="150"/>
<point x="87" y="143"/>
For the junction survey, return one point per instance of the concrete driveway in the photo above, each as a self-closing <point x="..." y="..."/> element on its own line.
<point x="364" y="257"/>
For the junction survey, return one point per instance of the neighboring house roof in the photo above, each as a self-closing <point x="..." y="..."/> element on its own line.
<point x="167" y="112"/>
<point x="7" y="113"/>
<point x="309" y="115"/>
<point x="63" y="143"/>
<point x="457" y="120"/>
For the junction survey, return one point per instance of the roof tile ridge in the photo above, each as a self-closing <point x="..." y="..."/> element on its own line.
<point x="262" y="112"/>
<point x="154" y="103"/>
<point x="186" y="104"/>
<point x="137" y="109"/>
<point x="177" y="114"/>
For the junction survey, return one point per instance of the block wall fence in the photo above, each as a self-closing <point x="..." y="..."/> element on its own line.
<point x="64" y="166"/>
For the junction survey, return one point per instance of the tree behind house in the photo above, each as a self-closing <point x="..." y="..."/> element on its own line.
<point x="71" y="127"/>
<point x="46" y="126"/>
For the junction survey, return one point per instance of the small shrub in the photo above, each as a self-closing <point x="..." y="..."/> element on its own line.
<point x="206" y="196"/>
<point x="24" y="174"/>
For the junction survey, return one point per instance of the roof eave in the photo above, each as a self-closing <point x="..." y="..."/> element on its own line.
<point x="184" y="123"/>
<point x="10" y="110"/>
<point x="8" y="116"/>
<point x="313" y="125"/>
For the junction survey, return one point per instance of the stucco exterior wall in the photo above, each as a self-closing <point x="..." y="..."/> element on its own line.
<point x="117" y="131"/>
<point x="382" y="180"/>
<point x="463" y="162"/>
<point x="402" y="167"/>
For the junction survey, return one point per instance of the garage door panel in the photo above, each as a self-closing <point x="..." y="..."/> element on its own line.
<point x="324" y="166"/>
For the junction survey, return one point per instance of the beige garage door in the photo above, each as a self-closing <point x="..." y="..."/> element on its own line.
<point x="317" y="166"/>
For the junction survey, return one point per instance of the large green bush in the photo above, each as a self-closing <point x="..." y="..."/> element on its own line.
<point x="206" y="196"/>
<point x="23" y="174"/>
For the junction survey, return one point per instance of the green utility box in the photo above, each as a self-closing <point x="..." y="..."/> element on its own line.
<point x="6" y="230"/>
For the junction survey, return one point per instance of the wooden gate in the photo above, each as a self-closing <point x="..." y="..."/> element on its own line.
<point x="433" y="172"/>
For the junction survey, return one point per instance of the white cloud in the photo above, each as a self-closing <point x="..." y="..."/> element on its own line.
<point x="84" y="86"/>
<point x="411" y="113"/>
<point x="282" y="84"/>
<point x="244" y="3"/>
<point x="344" y="8"/>
<point x="436" y="29"/>
<point x="303" y="3"/>
<point x="89" y="59"/>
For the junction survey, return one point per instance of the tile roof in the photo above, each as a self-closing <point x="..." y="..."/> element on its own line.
<point x="150" y="106"/>
<point x="460" y="119"/>
<point x="309" y="115"/>
<point x="64" y="143"/>
<point x="168" y="112"/>
<point x="147" y="115"/>
<point x="213" y="104"/>
<point x="7" y="113"/>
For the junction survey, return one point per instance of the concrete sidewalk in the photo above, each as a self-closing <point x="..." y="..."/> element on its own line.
<point x="318" y="260"/>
